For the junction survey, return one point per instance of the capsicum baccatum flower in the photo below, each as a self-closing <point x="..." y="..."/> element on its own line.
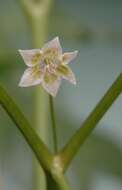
<point x="47" y="66"/>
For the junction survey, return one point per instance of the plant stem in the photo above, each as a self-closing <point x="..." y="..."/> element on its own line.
<point x="37" y="14"/>
<point x="57" y="182"/>
<point x="61" y="181"/>
<point x="52" y="112"/>
<point x="50" y="163"/>
<point x="40" y="106"/>
<point x="40" y="103"/>
<point x="71" y="148"/>
<point x="39" y="148"/>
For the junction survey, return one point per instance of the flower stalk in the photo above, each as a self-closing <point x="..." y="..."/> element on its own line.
<point x="53" y="121"/>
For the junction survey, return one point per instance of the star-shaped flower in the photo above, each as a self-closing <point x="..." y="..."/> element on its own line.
<point x="47" y="66"/>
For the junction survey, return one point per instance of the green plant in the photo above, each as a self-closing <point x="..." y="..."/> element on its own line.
<point x="54" y="164"/>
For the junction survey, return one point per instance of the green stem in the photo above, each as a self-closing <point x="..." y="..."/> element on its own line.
<point x="37" y="13"/>
<point x="52" y="112"/>
<point x="49" y="162"/>
<point x="71" y="148"/>
<point x="39" y="34"/>
<point x="61" y="181"/>
<point x="57" y="182"/>
<point x="39" y="148"/>
<point x="40" y="103"/>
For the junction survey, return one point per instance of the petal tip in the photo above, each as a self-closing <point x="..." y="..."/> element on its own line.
<point x="76" y="52"/>
<point x="75" y="83"/>
<point x="20" y="51"/>
<point x="21" y="84"/>
<point x="56" y="38"/>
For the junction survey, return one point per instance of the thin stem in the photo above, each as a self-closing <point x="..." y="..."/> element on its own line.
<point x="37" y="14"/>
<point x="39" y="148"/>
<point x="49" y="162"/>
<point x="71" y="148"/>
<point x="52" y="112"/>
<point x="40" y="99"/>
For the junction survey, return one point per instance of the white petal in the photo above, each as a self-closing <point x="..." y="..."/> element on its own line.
<point x="69" y="56"/>
<point x="31" y="77"/>
<point x="52" y="87"/>
<point x="28" y="55"/>
<point x="53" y="44"/>
<point x="66" y="73"/>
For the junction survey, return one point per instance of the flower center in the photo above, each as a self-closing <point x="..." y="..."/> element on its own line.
<point x="51" y="68"/>
<point x="51" y="56"/>
<point x="47" y="61"/>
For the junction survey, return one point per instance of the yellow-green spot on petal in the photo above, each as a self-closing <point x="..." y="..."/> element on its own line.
<point x="62" y="70"/>
<point x="36" y="72"/>
<point x="51" y="53"/>
<point x="36" y="58"/>
<point x="50" y="77"/>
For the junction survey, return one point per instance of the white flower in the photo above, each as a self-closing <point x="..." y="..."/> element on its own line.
<point x="47" y="66"/>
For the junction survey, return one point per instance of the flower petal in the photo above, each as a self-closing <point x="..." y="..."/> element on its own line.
<point x="69" y="56"/>
<point x="32" y="76"/>
<point x="65" y="72"/>
<point x="31" y="57"/>
<point x="53" y="45"/>
<point x="51" y="83"/>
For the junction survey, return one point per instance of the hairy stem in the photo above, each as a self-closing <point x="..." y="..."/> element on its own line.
<point x="70" y="149"/>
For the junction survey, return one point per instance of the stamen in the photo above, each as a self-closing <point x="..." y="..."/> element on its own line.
<point x="46" y="61"/>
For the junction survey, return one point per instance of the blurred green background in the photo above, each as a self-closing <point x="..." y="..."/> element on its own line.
<point x="95" y="29"/>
